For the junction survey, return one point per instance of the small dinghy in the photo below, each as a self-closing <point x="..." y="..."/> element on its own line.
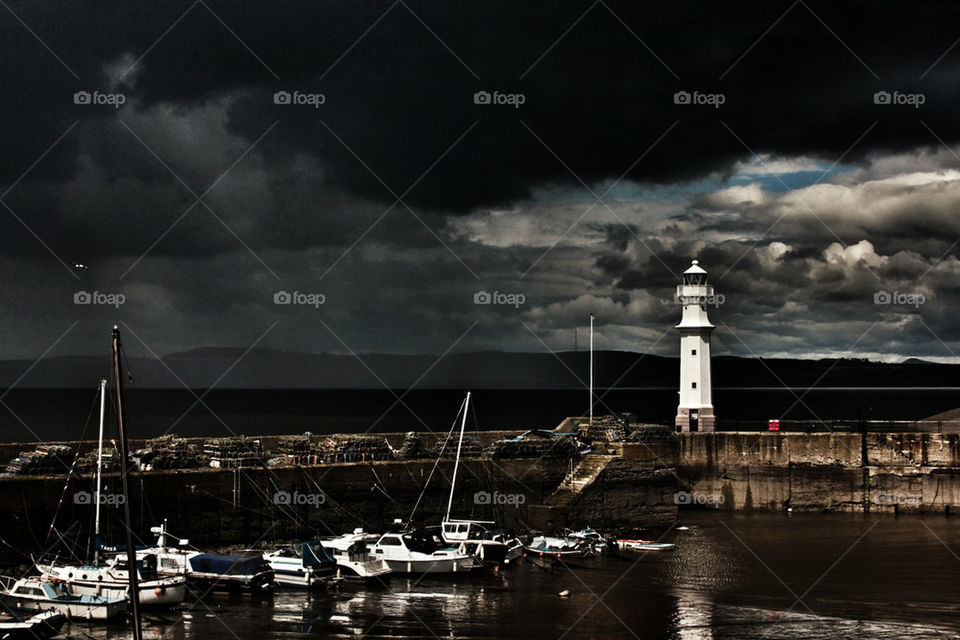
<point x="556" y="547"/>
<point x="643" y="545"/>
<point x="39" y="627"/>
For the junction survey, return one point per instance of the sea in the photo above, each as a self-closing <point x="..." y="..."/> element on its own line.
<point x="733" y="576"/>
<point x="69" y="414"/>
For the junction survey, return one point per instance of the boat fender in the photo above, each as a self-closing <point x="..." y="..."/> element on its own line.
<point x="565" y="593"/>
<point x="158" y="591"/>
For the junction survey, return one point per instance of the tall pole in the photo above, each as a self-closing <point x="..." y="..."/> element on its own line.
<point x="453" y="481"/>
<point x="131" y="550"/>
<point x="591" y="369"/>
<point x="96" y="491"/>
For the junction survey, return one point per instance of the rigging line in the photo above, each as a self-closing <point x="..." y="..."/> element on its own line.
<point x="264" y="495"/>
<point x="326" y="499"/>
<point x="437" y="461"/>
<point x="265" y="514"/>
<point x="380" y="484"/>
<point x="73" y="465"/>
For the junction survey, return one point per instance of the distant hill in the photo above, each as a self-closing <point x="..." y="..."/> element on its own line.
<point x="272" y="369"/>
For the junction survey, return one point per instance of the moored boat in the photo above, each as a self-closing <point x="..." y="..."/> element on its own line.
<point x="112" y="581"/>
<point x="306" y="564"/>
<point x="36" y="594"/>
<point x="556" y="547"/>
<point x="420" y="552"/>
<point x="230" y="572"/>
<point x="209" y="571"/>
<point x="354" y="559"/>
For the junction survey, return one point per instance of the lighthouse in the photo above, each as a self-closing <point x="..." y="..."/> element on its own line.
<point x="695" y="411"/>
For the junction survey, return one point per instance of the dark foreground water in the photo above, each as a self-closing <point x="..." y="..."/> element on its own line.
<point x="731" y="576"/>
<point x="31" y="414"/>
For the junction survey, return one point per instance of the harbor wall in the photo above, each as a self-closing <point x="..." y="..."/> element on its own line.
<point x="222" y="507"/>
<point x="873" y="472"/>
<point x="641" y="486"/>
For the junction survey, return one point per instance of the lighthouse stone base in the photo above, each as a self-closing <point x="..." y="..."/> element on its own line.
<point x="702" y="420"/>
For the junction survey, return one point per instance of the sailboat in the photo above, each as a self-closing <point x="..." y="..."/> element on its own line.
<point x="113" y="579"/>
<point x="472" y="536"/>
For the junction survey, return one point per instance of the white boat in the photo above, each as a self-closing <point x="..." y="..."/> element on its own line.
<point x="624" y="544"/>
<point x="354" y="560"/>
<point x="37" y="627"/>
<point x="307" y="564"/>
<point x="39" y="594"/>
<point x="112" y="581"/>
<point x="421" y="552"/>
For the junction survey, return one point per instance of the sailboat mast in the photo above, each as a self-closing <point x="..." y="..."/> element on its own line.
<point x="456" y="465"/>
<point x="96" y="491"/>
<point x="124" y="462"/>
<point x="591" y="369"/>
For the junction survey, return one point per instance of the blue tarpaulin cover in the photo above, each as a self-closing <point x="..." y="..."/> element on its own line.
<point x="231" y="564"/>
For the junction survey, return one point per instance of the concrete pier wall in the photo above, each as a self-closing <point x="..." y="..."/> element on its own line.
<point x="886" y="472"/>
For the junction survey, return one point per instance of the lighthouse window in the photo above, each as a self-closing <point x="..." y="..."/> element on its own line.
<point x="694" y="385"/>
<point x="693" y="352"/>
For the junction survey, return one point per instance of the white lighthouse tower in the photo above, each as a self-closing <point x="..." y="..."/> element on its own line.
<point x="695" y="412"/>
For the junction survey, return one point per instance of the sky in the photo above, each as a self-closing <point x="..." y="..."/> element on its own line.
<point x="360" y="177"/>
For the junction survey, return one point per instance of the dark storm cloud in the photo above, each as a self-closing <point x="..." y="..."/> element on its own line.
<point x="310" y="191"/>
<point x="400" y="99"/>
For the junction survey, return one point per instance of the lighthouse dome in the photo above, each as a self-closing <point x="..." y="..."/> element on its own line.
<point x="695" y="268"/>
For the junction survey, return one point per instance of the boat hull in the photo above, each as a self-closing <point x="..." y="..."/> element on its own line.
<point x="363" y="571"/>
<point x="261" y="583"/>
<point x="72" y="610"/>
<point x="438" y="565"/>
<point x="152" y="594"/>
<point x="297" y="577"/>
